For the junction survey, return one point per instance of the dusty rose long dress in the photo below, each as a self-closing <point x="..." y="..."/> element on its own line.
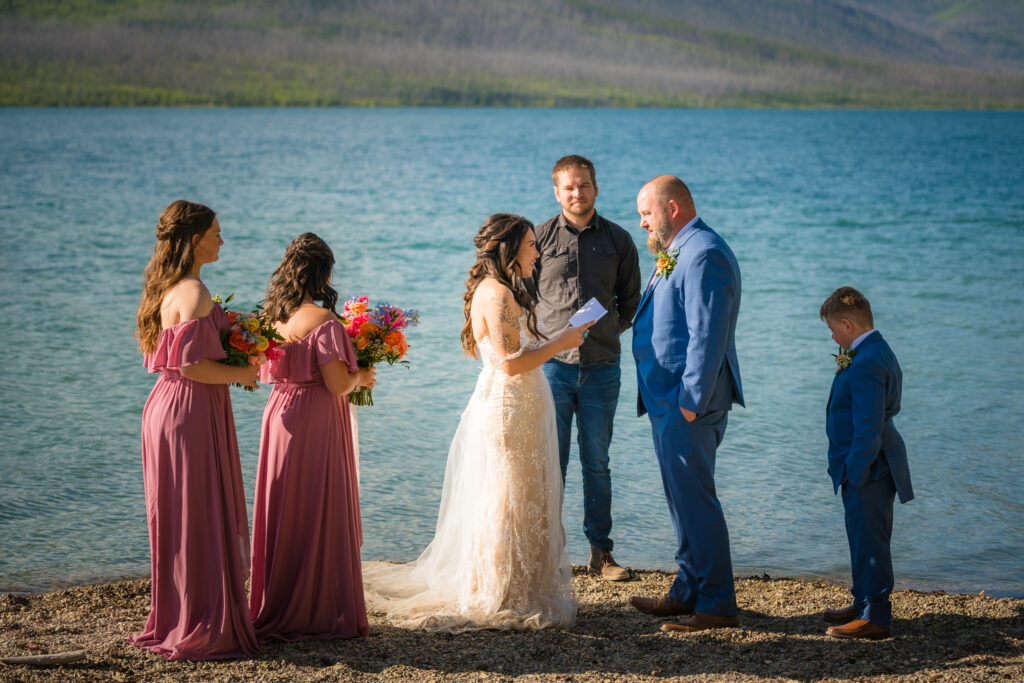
<point x="195" y="505"/>
<point x="306" y="575"/>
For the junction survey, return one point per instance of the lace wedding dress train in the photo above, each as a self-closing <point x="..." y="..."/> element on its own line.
<point x="498" y="558"/>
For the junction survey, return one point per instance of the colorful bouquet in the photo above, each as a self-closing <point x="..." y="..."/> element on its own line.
<point x="378" y="335"/>
<point x="251" y="339"/>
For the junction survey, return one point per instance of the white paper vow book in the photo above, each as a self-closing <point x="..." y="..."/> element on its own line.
<point x="589" y="312"/>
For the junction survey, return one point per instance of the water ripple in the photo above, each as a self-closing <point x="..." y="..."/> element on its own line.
<point x="920" y="210"/>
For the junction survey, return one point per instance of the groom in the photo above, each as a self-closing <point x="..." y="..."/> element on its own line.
<point x="684" y="343"/>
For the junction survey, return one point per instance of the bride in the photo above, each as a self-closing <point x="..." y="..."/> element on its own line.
<point x="498" y="558"/>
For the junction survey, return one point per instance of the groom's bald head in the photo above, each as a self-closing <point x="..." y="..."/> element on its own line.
<point x="665" y="207"/>
<point x="668" y="187"/>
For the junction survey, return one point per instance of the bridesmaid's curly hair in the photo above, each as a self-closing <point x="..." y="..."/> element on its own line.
<point x="305" y="269"/>
<point x="173" y="258"/>
<point x="497" y="246"/>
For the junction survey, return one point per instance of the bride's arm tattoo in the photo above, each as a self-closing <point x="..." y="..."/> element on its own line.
<point x="509" y="341"/>
<point x="510" y="338"/>
<point x="507" y="316"/>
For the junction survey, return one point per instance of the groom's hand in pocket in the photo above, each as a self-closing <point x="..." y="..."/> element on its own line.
<point x="688" y="415"/>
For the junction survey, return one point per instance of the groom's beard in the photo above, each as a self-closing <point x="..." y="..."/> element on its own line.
<point x="658" y="237"/>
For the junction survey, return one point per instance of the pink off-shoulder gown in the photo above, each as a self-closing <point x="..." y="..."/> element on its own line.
<point x="195" y="505"/>
<point x="306" y="574"/>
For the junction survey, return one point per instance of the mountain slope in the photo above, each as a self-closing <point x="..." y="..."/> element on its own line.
<point x="850" y="53"/>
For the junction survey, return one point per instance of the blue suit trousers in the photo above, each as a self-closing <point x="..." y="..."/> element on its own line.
<point x="869" y="532"/>
<point x="686" y="456"/>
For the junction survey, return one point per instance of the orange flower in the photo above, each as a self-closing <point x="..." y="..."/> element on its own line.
<point x="394" y="338"/>
<point x="238" y="342"/>
<point x="361" y="341"/>
<point x="367" y="328"/>
<point x="663" y="263"/>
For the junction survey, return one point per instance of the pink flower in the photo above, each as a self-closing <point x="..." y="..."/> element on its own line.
<point x="357" y="305"/>
<point x="398" y="320"/>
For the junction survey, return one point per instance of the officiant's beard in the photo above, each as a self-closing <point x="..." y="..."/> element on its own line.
<point x="660" y="235"/>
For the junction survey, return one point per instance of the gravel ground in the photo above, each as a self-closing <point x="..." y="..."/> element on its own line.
<point x="937" y="637"/>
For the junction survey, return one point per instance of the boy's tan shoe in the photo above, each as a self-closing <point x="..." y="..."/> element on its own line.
<point x="701" y="622"/>
<point x="660" y="607"/>
<point x="602" y="562"/>
<point x="858" y="628"/>
<point x="841" y="616"/>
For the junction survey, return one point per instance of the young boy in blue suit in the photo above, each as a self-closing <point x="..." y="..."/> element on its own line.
<point x="866" y="458"/>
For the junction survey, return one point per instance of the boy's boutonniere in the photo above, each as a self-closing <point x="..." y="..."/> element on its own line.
<point x="843" y="359"/>
<point x="666" y="262"/>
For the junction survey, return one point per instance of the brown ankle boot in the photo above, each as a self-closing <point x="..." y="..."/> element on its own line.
<point x="602" y="562"/>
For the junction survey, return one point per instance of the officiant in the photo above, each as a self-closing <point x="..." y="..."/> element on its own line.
<point x="584" y="256"/>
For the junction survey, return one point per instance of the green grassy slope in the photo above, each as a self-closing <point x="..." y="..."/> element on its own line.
<point x="772" y="53"/>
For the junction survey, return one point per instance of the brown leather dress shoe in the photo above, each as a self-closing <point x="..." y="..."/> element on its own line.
<point x="701" y="622"/>
<point x="602" y="562"/>
<point x="841" y="616"/>
<point x="660" y="607"/>
<point x="858" y="628"/>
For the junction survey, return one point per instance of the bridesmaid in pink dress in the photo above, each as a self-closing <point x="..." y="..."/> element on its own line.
<point x="195" y="504"/>
<point x="306" y="574"/>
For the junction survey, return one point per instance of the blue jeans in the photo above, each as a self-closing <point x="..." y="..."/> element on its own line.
<point x="591" y="393"/>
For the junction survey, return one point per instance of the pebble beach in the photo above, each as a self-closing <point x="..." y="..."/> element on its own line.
<point x="936" y="637"/>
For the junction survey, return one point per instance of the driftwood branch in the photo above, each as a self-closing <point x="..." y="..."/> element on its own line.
<point x="55" y="659"/>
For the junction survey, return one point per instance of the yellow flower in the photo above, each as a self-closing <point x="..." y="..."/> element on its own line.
<point x="262" y="343"/>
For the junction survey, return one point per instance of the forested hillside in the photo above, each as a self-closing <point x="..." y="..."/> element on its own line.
<point x="965" y="54"/>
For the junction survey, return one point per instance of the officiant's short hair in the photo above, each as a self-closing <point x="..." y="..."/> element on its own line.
<point x="847" y="302"/>
<point x="573" y="161"/>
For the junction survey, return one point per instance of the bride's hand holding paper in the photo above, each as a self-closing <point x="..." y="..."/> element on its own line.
<point x="573" y="337"/>
<point x="590" y="312"/>
<point x="580" y="322"/>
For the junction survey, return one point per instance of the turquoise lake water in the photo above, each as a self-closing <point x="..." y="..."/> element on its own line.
<point x="922" y="211"/>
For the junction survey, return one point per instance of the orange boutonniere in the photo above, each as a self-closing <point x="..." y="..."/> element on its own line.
<point x="666" y="262"/>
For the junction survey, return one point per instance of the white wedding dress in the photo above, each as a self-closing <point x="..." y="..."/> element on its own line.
<point x="498" y="558"/>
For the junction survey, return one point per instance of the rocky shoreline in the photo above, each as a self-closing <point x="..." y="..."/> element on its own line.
<point x="937" y="637"/>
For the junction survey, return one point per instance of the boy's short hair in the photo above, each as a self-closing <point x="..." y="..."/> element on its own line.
<point x="847" y="302"/>
<point x="573" y="161"/>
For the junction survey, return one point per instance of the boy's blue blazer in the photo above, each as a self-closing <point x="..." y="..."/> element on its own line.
<point x="864" y="399"/>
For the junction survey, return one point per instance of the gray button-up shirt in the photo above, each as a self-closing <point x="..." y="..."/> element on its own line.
<point x="599" y="261"/>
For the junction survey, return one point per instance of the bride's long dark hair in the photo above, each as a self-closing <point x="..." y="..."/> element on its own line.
<point x="497" y="247"/>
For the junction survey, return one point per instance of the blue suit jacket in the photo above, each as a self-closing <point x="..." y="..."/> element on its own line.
<point x="864" y="399"/>
<point x="684" y="330"/>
